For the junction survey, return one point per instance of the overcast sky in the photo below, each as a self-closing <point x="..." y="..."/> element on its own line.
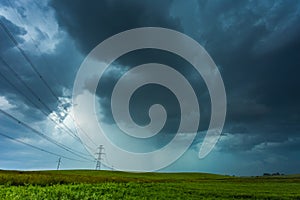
<point x="255" y="45"/>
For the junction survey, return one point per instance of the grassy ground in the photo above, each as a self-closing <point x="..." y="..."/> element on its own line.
<point x="84" y="184"/>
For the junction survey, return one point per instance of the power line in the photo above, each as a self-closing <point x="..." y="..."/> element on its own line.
<point x="25" y="97"/>
<point x="108" y="163"/>
<point x="32" y="92"/>
<point x="38" y="148"/>
<point x="34" y="68"/>
<point x="30" y="101"/>
<point x="24" y="83"/>
<point x="22" y="22"/>
<point x="47" y="107"/>
<point x="12" y="38"/>
<point x="66" y="148"/>
<point x="35" y="43"/>
<point x="66" y="128"/>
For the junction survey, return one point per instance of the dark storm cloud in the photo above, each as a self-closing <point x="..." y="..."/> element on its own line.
<point x="245" y="39"/>
<point x="272" y="145"/>
<point x="257" y="45"/>
<point x="109" y="18"/>
<point x="152" y="94"/>
<point x="91" y="22"/>
<point x="254" y="43"/>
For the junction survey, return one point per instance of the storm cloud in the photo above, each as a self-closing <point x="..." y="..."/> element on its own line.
<point x="255" y="44"/>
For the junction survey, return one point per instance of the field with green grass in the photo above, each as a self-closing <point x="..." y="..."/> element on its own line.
<point x="88" y="184"/>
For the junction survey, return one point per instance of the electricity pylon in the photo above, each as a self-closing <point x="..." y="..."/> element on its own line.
<point x="99" y="158"/>
<point x="58" y="163"/>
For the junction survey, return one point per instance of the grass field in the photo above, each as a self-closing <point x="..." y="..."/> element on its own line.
<point x="85" y="184"/>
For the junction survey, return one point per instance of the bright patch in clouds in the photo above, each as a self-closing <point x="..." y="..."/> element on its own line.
<point x="5" y="104"/>
<point x="42" y="30"/>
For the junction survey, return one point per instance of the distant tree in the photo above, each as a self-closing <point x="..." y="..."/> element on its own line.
<point x="276" y="174"/>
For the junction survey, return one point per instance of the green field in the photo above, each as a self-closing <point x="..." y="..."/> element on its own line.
<point x="86" y="184"/>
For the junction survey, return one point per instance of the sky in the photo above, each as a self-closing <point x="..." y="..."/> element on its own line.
<point x="255" y="45"/>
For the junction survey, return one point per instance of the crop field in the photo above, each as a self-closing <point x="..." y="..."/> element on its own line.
<point x="89" y="184"/>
